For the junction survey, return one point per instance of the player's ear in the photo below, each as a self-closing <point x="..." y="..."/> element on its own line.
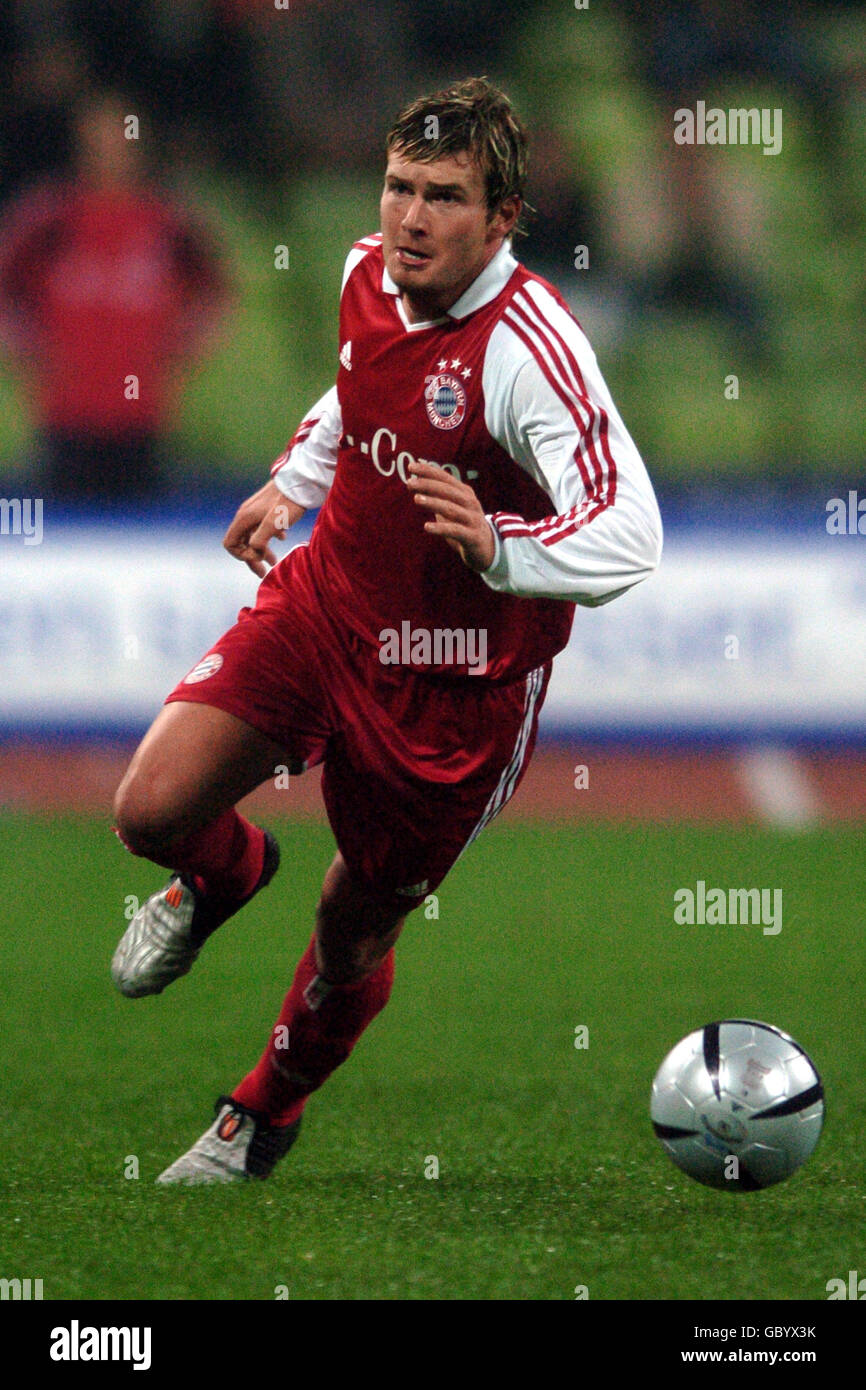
<point x="504" y="219"/>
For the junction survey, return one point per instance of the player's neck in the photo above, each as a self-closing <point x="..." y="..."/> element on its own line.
<point x="426" y="308"/>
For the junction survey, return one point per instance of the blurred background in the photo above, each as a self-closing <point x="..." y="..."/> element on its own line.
<point x="180" y="181"/>
<point x="179" y="185"/>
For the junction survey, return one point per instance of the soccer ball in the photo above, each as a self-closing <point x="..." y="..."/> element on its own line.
<point x="738" y="1105"/>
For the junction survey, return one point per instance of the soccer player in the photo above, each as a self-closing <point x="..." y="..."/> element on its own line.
<point x="475" y="482"/>
<point x="108" y="293"/>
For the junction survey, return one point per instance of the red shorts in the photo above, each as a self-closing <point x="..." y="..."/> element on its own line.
<point x="414" y="765"/>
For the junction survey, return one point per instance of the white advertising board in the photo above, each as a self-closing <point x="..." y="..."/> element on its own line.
<point x="760" y="635"/>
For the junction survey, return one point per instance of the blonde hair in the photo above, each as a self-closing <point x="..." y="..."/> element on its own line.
<point x="475" y="117"/>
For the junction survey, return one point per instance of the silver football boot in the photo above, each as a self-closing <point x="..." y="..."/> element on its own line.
<point x="240" y="1144"/>
<point x="167" y="932"/>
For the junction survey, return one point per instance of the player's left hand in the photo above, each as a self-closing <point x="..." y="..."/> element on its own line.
<point x="458" y="516"/>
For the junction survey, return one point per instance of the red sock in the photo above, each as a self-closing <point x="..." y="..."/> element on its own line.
<point x="225" y="858"/>
<point x="318" y="1026"/>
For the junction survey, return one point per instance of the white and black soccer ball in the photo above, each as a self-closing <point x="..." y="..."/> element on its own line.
<point x="738" y="1104"/>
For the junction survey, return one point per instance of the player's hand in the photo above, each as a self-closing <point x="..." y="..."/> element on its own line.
<point x="456" y="514"/>
<point x="265" y="515"/>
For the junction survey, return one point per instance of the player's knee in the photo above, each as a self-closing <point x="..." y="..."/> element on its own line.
<point x="348" y="907"/>
<point x="146" y="822"/>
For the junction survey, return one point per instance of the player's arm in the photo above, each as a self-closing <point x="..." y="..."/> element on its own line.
<point x="304" y="470"/>
<point x="300" y="480"/>
<point x="604" y="532"/>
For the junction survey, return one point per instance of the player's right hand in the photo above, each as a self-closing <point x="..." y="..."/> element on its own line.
<point x="268" y="513"/>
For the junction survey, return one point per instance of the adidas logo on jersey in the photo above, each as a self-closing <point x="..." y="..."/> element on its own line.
<point x="346" y="355"/>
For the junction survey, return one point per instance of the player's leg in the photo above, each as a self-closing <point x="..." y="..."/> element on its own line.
<point x="399" y="833"/>
<point x="354" y="929"/>
<point x="343" y="980"/>
<point x="254" y="702"/>
<point x="194" y="763"/>
<point x="175" y="806"/>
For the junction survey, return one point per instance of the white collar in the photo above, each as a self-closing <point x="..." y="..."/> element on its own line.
<point x="485" y="287"/>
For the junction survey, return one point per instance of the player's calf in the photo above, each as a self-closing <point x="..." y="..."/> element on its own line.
<point x="354" y="929"/>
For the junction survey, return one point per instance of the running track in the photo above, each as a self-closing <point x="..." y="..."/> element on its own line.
<point x="770" y="785"/>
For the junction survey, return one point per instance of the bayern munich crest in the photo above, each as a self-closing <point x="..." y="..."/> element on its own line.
<point x="208" y="667"/>
<point x="445" y="399"/>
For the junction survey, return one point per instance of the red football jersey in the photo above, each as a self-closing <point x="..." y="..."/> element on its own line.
<point x="504" y="392"/>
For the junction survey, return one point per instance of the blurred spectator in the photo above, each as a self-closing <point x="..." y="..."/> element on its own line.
<point x="107" y="292"/>
<point x="191" y="63"/>
<point x="689" y="49"/>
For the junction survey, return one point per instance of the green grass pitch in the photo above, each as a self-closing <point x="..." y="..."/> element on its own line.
<point x="549" y="1175"/>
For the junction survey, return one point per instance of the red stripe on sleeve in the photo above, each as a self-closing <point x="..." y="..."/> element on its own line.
<point x="305" y="428"/>
<point x="601" y="488"/>
<point x="535" y="316"/>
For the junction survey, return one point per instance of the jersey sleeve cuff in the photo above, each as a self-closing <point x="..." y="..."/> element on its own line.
<point x="305" y="494"/>
<point x="497" y="570"/>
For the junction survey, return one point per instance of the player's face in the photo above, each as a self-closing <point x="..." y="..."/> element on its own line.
<point x="437" y="231"/>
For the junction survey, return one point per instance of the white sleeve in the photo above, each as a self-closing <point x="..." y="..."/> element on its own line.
<point x="304" y="470"/>
<point x="551" y="411"/>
